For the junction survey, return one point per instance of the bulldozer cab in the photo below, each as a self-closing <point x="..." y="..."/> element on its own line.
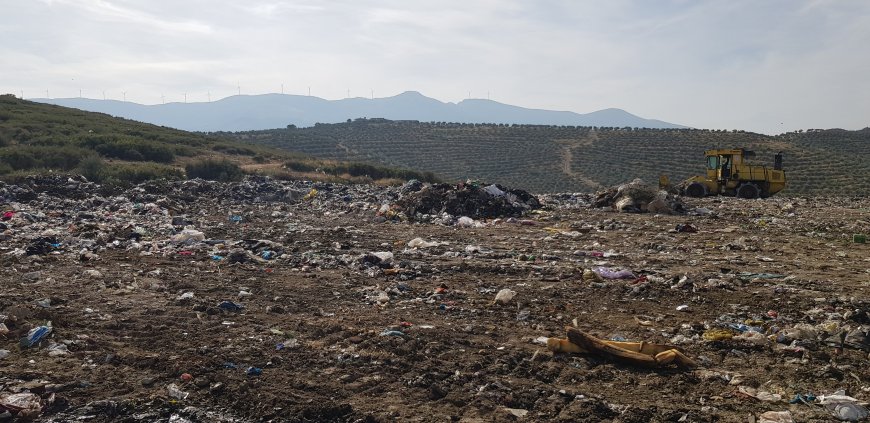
<point x="720" y="163"/>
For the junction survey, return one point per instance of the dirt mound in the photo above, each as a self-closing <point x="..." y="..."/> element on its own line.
<point x="472" y="200"/>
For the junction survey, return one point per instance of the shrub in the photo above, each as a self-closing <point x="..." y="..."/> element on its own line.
<point x="215" y="170"/>
<point x="299" y="166"/>
<point x="381" y="172"/>
<point x="134" y="173"/>
<point x="137" y="151"/>
<point x="234" y="150"/>
<point x="93" y="168"/>
<point x="17" y="159"/>
<point x="185" y="151"/>
<point x="24" y="157"/>
<point x="64" y="158"/>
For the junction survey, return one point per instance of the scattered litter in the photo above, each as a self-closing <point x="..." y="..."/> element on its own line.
<point x="230" y="306"/>
<point x="175" y="392"/>
<point x="35" y="335"/>
<point x="188" y="236"/>
<point x="775" y="417"/>
<point x="517" y="412"/>
<point x="420" y="243"/>
<point x="759" y="394"/>
<point x="25" y="405"/>
<point x="469" y="200"/>
<point x="637" y="197"/>
<point x="686" y="228"/>
<point x="844" y="407"/>
<point x="504" y="296"/>
<point x="850" y="412"/>
<point x="608" y="273"/>
<point x="55" y="350"/>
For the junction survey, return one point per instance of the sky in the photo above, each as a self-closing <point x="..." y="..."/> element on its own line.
<point x="768" y="66"/>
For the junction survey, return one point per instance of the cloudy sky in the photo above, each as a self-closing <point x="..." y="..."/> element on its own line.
<point x="769" y="66"/>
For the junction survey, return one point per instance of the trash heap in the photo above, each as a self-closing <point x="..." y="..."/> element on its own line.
<point x="267" y="300"/>
<point x="637" y="197"/>
<point x="473" y="200"/>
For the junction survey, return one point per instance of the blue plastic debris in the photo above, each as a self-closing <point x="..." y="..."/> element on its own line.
<point x="35" y="335"/>
<point x="254" y="371"/>
<point x="230" y="306"/>
<point x="803" y="399"/>
<point x="745" y="328"/>
<point x="388" y="332"/>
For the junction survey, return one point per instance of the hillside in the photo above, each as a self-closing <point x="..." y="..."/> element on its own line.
<point x="36" y="137"/>
<point x="565" y="158"/>
<point x="266" y="111"/>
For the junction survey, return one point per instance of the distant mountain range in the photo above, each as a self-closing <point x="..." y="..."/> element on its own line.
<point x="269" y="111"/>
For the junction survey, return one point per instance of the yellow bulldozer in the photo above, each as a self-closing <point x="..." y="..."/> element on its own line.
<point x="729" y="173"/>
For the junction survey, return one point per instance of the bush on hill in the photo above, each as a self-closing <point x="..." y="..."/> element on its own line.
<point x="215" y="170"/>
<point x="24" y="157"/>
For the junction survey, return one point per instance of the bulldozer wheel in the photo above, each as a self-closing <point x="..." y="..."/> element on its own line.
<point x="749" y="191"/>
<point x="696" y="189"/>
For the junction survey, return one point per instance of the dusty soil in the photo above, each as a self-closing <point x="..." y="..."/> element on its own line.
<point x="453" y="355"/>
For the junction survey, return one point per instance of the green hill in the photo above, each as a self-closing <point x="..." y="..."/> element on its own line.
<point x="36" y="137"/>
<point x="563" y="158"/>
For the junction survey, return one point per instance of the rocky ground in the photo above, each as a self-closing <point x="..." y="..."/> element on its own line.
<point x="267" y="301"/>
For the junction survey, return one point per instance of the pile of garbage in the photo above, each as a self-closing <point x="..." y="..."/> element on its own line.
<point x="637" y="197"/>
<point x="473" y="200"/>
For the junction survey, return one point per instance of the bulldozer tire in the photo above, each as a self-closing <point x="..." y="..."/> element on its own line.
<point x="696" y="189"/>
<point x="749" y="191"/>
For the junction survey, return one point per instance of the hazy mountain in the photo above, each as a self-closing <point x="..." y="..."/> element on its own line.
<point x="268" y="111"/>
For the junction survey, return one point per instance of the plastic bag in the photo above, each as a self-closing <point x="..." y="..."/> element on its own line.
<point x="608" y="273"/>
<point x="24" y="404"/>
<point x="505" y="296"/>
<point x="35" y="335"/>
<point x="188" y="236"/>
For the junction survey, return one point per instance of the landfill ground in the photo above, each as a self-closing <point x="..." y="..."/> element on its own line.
<point x="330" y="332"/>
